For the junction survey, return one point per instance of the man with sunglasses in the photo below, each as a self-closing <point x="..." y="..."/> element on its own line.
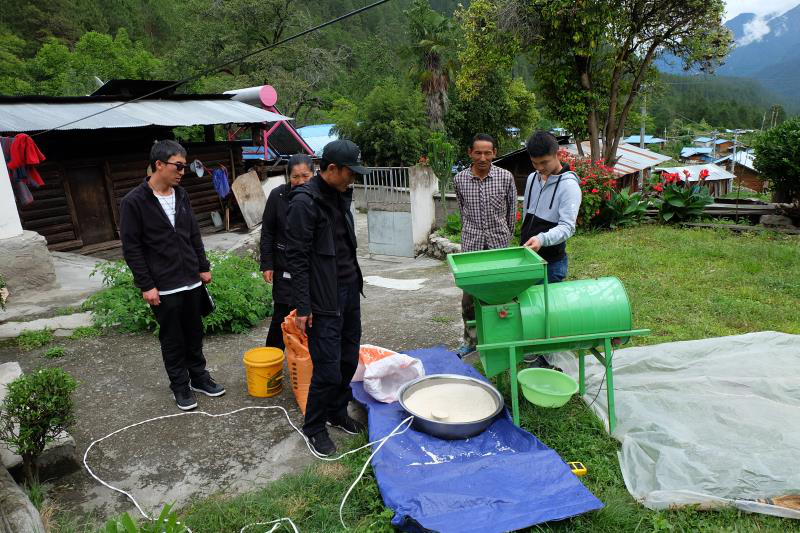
<point x="161" y="244"/>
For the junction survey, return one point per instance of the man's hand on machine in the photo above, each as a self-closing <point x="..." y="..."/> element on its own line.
<point x="533" y="243"/>
<point x="301" y="322"/>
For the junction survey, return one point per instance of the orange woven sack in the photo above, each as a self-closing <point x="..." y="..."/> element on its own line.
<point x="297" y="359"/>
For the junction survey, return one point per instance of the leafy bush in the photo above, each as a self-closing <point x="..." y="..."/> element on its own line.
<point x="452" y="228"/>
<point x="597" y="187"/>
<point x="442" y="158"/>
<point x="623" y="209"/>
<point x="36" y="409"/>
<point x="167" y="522"/>
<point x="241" y="296"/>
<point x="680" y="201"/>
<point x="30" y="339"/>
<point x="389" y="125"/>
<point x="778" y="159"/>
<point x="55" y="352"/>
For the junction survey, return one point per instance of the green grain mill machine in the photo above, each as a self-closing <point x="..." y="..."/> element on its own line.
<point x="517" y="312"/>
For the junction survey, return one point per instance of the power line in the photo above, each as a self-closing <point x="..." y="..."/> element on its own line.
<point x="222" y="66"/>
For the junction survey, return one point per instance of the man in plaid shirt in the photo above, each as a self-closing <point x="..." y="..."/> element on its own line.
<point x="487" y="198"/>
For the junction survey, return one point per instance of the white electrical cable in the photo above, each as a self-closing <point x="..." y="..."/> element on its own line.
<point x="277" y="523"/>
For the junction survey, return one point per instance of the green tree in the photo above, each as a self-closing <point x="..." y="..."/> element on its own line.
<point x="432" y="43"/>
<point x="13" y="77"/>
<point x="57" y="71"/>
<point x="594" y="56"/>
<point x="389" y="125"/>
<point x="777" y="154"/>
<point x="486" y="98"/>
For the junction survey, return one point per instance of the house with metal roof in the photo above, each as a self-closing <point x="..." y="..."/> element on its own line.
<point x="97" y="149"/>
<point x="648" y="140"/>
<point x="697" y="154"/>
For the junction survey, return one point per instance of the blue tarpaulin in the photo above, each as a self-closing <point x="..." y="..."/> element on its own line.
<point x="501" y="480"/>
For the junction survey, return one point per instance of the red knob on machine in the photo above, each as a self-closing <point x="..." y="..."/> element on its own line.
<point x="502" y="313"/>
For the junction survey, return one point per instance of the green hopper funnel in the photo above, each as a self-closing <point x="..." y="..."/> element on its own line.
<point x="496" y="276"/>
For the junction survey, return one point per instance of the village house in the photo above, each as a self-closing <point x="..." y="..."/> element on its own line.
<point x="97" y="148"/>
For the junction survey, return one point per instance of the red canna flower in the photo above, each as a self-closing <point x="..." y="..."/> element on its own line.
<point x="597" y="212"/>
<point x="685" y="172"/>
<point x="594" y="191"/>
<point x="704" y="174"/>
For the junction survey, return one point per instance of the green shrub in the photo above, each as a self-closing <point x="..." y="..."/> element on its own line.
<point x="167" y="522"/>
<point x="679" y="201"/>
<point x="623" y="209"/>
<point x="241" y="296"/>
<point x="55" y="352"/>
<point x="778" y="159"/>
<point x="30" y="339"/>
<point x="452" y="228"/>
<point x="36" y="409"/>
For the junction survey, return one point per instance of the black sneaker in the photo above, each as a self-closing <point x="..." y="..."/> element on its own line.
<point x="208" y="387"/>
<point x="322" y="444"/>
<point x="348" y="425"/>
<point x="185" y="399"/>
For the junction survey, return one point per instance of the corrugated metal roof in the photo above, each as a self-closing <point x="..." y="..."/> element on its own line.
<point x="648" y="139"/>
<point x="715" y="172"/>
<point x="631" y="158"/>
<point x="703" y="139"/>
<point x="689" y="151"/>
<point x="25" y="117"/>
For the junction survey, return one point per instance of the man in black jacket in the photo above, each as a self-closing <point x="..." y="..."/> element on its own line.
<point x="273" y="245"/>
<point x="162" y="246"/>
<point x="327" y="282"/>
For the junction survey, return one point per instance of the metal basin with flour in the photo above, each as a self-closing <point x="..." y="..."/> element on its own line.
<point x="450" y="406"/>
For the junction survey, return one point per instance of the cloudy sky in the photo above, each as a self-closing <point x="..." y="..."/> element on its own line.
<point x="759" y="7"/>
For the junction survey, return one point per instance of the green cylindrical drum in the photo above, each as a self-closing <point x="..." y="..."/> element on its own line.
<point x="576" y="308"/>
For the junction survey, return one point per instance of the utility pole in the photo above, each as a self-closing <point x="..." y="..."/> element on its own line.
<point x="641" y="137"/>
<point x="733" y="159"/>
<point x="714" y="146"/>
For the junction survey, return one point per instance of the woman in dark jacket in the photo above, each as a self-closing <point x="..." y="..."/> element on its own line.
<point x="273" y="245"/>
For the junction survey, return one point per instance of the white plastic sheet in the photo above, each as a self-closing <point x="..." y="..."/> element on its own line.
<point x="709" y="422"/>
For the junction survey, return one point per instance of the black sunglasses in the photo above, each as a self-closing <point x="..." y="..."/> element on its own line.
<point x="179" y="166"/>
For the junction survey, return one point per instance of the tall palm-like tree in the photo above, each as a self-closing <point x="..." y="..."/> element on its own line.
<point x="432" y="49"/>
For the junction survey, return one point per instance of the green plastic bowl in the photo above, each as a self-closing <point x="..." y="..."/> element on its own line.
<point x="545" y="387"/>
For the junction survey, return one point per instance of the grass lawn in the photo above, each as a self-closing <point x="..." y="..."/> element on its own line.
<point x="683" y="284"/>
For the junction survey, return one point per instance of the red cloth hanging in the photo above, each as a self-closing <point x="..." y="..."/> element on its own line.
<point x="25" y="153"/>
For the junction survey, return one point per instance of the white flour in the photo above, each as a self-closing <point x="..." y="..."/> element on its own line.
<point x="452" y="402"/>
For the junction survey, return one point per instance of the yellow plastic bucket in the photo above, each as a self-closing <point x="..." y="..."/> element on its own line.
<point x="264" y="370"/>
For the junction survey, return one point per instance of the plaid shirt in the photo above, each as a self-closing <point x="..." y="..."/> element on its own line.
<point x="488" y="208"/>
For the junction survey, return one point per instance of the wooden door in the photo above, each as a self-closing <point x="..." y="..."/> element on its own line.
<point x="86" y="186"/>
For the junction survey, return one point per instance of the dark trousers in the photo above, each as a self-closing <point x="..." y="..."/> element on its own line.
<point x="468" y="313"/>
<point x="181" y="336"/>
<point x="333" y="342"/>
<point x="275" y="334"/>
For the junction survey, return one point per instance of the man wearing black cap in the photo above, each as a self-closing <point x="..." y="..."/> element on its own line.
<point x="327" y="282"/>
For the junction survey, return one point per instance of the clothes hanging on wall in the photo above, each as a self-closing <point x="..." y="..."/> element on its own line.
<point x="21" y="155"/>
<point x="220" y="178"/>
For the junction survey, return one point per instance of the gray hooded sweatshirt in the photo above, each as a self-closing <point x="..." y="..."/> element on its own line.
<point x="551" y="210"/>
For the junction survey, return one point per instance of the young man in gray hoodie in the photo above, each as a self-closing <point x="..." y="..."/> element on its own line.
<point x="550" y="205"/>
<point x="550" y="210"/>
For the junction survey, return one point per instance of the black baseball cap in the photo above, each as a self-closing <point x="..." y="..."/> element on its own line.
<point x="345" y="154"/>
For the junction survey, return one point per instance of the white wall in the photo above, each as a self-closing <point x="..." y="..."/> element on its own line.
<point x="10" y="225"/>
<point x="422" y="182"/>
